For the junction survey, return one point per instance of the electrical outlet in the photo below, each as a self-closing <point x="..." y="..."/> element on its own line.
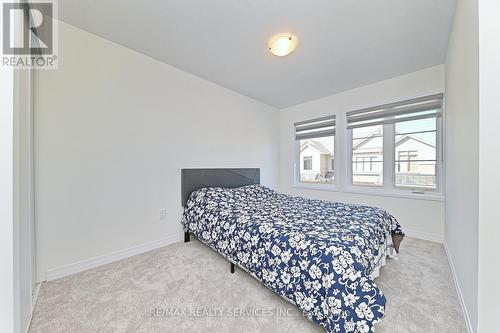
<point x="163" y="214"/>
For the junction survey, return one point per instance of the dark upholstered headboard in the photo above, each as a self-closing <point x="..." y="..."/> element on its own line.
<point x="194" y="179"/>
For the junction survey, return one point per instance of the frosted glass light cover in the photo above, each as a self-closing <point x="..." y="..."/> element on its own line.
<point x="283" y="44"/>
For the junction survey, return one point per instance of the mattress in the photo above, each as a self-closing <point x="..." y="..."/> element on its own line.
<point x="320" y="255"/>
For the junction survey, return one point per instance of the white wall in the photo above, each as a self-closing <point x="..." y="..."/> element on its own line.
<point x="113" y="128"/>
<point x="418" y="217"/>
<point x="461" y="151"/>
<point x="489" y="160"/>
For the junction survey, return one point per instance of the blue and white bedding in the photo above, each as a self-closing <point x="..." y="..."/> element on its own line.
<point x="316" y="254"/>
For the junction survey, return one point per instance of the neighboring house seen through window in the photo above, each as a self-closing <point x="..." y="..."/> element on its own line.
<point x="308" y="165"/>
<point x="316" y="145"/>
<point x="368" y="155"/>
<point x="410" y="130"/>
<point x="416" y="155"/>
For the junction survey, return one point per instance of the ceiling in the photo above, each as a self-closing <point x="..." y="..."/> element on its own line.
<point x="343" y="43"/>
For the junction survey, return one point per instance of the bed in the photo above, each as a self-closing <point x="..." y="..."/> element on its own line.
<point x="321" y="256"/>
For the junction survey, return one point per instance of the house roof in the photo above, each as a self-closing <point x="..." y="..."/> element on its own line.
<point x="323" y="150"/>
<point x="407" y="137"/>
<point x="401" y="140"/>
<point x="368" y="138"/>
<point x="316" y="145"/>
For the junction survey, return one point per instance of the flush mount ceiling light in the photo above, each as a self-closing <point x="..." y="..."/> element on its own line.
<point x="283" y="44"/>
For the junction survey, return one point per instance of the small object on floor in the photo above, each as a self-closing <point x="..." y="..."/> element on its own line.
<point x="396" y="241"/>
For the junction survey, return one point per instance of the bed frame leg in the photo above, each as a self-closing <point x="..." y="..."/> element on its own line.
<point x="232" y="268"/>
<point x="187" y="237"/>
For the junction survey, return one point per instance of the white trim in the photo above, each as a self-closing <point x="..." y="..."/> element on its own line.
<point x="424" y="235"/>
<point x="317" y="186"/>
<point x="340" y="150"/>
<point x="459" y="290"/>
<point x="297" y="160"/>
<point x="86" y="264"/>
<point x="34" y="298"/>
<point x="368" y="191"/>
<point x="31" y="182"/>
<point x="388" y="138"/>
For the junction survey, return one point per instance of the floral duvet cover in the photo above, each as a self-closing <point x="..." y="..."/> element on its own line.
<point x="316" y="254"/>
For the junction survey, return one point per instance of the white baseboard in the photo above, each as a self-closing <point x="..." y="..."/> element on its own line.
<point x="83" y="265"/>
<point x="34" y="298"/>
<point x="424" y="235"/>
<point x="457" y="287"/>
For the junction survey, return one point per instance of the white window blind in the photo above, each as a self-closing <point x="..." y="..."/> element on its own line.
<point x="315" y="128"/>
<point x="413" y="109"/>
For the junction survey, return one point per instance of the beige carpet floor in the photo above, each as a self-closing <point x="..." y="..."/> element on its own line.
<point x="187" y="287"/>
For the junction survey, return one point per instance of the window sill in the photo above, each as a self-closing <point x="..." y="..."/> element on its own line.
<point x="369" y="191"/>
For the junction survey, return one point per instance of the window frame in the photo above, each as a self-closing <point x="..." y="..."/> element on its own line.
<point x="344" y="164"/>
<point x="439" y="164"/>
<point x="309" y="160"/>
<point x="297" y="182"/>
<point x="350" y="161"/>
<point x="389" y="164"/>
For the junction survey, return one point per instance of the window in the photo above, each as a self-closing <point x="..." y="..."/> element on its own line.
<point x="315" y="145"/>
<point x="368" y="155"/>
<point x="393" y="149"/>
<point x="366" y="163"/>
<point x="415" y="151"/>
<point x="404" y="159"/>
<point x="398" y="141"/>
<point x="308" y="163"/>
